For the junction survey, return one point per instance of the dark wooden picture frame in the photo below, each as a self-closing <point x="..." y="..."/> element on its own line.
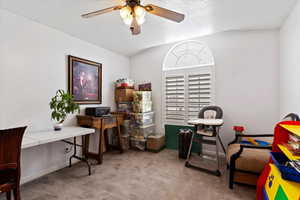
<point x="85" y="80"/>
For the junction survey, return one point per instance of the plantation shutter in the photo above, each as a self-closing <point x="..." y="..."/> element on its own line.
<point x="175" y="98"/>
<point x="185" y="93"/>
<point x="199" y="87"/>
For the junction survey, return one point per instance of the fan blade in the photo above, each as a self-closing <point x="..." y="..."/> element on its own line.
<point x="165" y="13"/>
<point x="135" y="28"/>
<point x="100" y="12"/>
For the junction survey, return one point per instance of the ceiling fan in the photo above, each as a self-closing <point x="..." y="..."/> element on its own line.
<point x="133" y="14"/>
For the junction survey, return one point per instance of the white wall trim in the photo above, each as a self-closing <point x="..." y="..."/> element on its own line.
<point x="46" y="171"/>
<point x="188" y="67"/>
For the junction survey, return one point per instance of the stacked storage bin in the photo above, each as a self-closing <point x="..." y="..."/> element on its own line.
<point x="142" y="119"/>
<point x="124" y="97"/>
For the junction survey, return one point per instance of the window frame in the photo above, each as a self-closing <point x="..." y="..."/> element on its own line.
<point x="206" y="61"/>
<point x="186" y="72"/>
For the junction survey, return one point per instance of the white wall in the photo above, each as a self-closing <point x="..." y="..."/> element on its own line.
<point x="290" y="63"/>
<point x="33" y="66"/>
<point x="247" y="78"/>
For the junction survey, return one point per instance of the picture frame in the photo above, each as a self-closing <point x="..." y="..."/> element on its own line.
<point x="85" y="80"/>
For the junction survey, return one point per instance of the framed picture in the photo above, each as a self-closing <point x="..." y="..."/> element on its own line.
<point x="85" y="80"/>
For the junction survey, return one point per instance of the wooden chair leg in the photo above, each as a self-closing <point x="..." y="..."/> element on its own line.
<point x="16" y="192"/>
<point x="106" y="141"/>
<point x="231" y="178"/>
<point x="100" y="151"/>
<point x="86" y="144"/>
<point x="8" y="195"/>
<point x="231" y="171"/>
<point x="233" y="159"/>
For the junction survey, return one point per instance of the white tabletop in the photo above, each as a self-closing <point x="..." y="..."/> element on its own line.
<point x="211" y="122"/>
<point x="31" y="139"/>
<point x="28" y="142"/>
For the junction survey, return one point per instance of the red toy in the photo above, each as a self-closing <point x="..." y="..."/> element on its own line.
<point x="238" y="129"/>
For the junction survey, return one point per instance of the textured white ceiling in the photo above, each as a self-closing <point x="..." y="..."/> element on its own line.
<point x="108" y="31"/>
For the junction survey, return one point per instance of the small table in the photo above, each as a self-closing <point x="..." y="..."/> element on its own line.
<point x="101" y="124"/>
<point x="32" y="139"/>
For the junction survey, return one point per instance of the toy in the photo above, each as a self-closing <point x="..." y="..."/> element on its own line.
<point x="240" y="130"/>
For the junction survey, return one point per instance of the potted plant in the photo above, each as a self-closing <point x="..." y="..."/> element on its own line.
<point x="61" y="105"/>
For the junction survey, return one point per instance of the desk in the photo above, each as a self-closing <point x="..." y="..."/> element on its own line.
<point x="101" y="124"/>
<point x="32" y="139"/>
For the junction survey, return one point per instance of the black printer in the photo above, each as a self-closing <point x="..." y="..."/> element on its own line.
<point x="97" y="111"/>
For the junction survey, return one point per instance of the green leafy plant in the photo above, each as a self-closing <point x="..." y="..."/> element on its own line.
<point x="61" y="105"/>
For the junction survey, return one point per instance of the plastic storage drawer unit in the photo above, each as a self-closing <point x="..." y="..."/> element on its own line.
<point x="141" y="96"/>
<point x="143" y="119"/>
<point x="138" y="143"/>
<point x="142" y="107"/>
<point x="142" y="131"/>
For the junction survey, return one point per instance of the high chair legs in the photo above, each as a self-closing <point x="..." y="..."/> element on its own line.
<point x="205" y="141"/>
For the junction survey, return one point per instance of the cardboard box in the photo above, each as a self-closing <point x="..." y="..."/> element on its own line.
<point x="155" y="143"/>
<point x="124" y="107"/>
<point x="124" y="95"/>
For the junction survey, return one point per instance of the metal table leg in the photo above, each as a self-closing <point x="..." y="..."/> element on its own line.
<point x="84" y="159"/>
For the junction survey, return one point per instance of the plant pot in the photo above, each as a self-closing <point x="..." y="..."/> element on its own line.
<point x="58" y="126"/>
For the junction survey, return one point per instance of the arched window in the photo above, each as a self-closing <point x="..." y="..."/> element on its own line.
<point x="188" y="81"/>
<point x="188" y="54"/>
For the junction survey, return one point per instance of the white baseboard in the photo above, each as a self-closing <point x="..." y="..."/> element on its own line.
<point x="46" y="171"/>
<point x="42" y="172"/>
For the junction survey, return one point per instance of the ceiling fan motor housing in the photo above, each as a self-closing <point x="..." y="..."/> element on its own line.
<point x="133" y="3"/>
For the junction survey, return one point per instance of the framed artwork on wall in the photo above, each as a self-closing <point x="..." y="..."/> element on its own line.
<point x="85" y="80"/>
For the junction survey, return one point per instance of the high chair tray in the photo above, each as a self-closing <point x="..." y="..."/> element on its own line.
<point x="211" y="122"/>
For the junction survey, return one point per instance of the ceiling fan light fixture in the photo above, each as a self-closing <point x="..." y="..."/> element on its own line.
<point x="140" y="20"/>
<point x="128" y="20"/>
<point x="140" y="14"/>
<point x="126" y="14"/>
<point x="139" y="11"/>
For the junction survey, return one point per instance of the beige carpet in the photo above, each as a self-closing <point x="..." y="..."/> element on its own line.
<point x="134" y="176"/>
